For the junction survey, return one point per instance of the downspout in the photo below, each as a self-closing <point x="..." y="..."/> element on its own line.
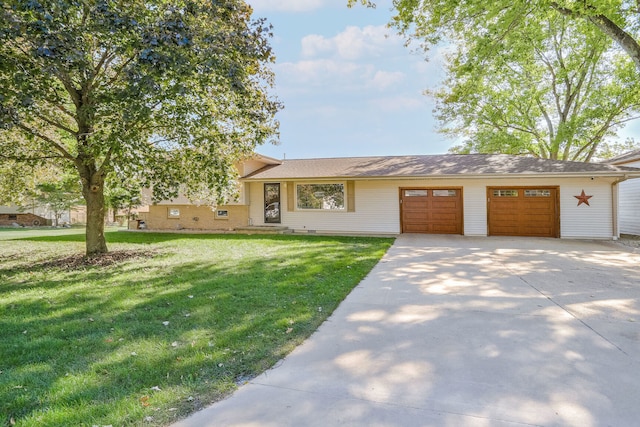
<point x="614" y="206"/>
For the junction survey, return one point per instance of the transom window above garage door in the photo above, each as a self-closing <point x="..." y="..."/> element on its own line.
<point x="505" y="193"/>
<point x="434" y="193"/>
<point x="537" y="193"/>
<point x="444" y="193"/>
<point x="416" y="193"/>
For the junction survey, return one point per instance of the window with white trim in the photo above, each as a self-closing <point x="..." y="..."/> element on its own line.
<point x="328" y="197"/>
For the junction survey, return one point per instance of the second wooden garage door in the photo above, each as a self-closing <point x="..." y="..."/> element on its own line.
<point x="523" y="211"/>
<point x="431" y="210"/>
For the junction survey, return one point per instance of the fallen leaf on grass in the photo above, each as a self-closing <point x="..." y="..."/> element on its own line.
<point x="144" y="400"/>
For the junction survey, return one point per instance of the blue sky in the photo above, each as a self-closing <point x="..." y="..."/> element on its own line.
<point x="349" y="85"/>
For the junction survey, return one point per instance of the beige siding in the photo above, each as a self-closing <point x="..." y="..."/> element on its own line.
<point x="193" y="218"/>
<point x="378" y="210"/>
<point x="629" y="204"/>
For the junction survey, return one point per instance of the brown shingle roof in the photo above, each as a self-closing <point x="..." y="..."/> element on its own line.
<point x="631" y="156"/>
<point x="422" y="166"/>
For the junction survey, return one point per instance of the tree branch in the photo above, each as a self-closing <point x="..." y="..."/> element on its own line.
<point x="608" y="27"/>
<point x="46" y="139"/>
<point x="28" y="159"/>
<point x="56" y="124"/>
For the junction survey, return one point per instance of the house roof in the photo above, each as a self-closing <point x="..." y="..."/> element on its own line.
<point x="430" y="165"/>
<point x="631" y="156"/>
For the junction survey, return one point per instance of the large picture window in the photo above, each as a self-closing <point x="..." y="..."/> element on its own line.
<point x="320" y="196"/>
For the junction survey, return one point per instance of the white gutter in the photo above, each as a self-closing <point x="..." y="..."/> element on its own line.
<point x="625" y="175"/>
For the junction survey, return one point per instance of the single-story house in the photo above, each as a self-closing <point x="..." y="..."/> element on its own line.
<point x="11" y="215"/>
<point x="472" y="195"/>
<point x="629" y="206"/>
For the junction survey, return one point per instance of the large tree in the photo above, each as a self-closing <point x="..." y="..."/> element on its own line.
<point x="552" y="89"/>
<point x="171" y="93"/>
<point x="434" y="20"/>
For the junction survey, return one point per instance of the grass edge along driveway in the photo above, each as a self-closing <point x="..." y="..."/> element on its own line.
<point x="168" y="324"/>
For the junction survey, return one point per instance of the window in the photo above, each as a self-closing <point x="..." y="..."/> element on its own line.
<point x="320" y="196"/>
<point x="222" y="214"/>
<point x="416" y="193"/>
<point x="445" y="193"/>
<point x="505" y="193"/>
<point x="537" y="193"/>
<point x="13" y="217"/>
<point x="173" y="213"/>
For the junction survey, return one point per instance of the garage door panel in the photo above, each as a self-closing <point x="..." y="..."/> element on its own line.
<point x="444" y="229"/>
<point x="431" y="211"/>
<point x="523" y="211"/>
<point x="415" y="216"/>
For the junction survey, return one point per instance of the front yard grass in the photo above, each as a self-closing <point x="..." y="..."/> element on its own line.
<point x="168" y="324"/>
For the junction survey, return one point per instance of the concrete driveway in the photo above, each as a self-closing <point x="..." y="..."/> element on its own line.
<point x="460" y="331"/>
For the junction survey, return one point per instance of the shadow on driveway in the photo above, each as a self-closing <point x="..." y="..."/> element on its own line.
<point x="460" y="331"/>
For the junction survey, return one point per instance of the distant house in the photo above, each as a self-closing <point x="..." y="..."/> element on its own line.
<point x="12" y="215"/>
<point x="629" y="204"/>
<point x="472" y="195"/>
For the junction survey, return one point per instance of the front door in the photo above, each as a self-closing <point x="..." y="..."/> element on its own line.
<point x="272" y="203"/>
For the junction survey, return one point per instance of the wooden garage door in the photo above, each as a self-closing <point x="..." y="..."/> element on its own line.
<point x="523" y="211"/>
<point x="431" y="210"/>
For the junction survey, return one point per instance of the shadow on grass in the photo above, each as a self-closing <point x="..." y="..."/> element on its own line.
<point x="150" y="237"/>
<point x="88" y="347"/>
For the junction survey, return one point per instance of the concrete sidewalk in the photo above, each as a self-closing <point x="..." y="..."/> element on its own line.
<point x="460" y="331"/>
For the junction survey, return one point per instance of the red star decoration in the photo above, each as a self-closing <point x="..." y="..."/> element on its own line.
<point x="583" y="198"/>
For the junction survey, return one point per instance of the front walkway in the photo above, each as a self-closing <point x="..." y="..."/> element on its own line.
<point x="460" y="331"/>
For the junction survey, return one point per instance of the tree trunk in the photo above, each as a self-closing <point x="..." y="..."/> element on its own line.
<point x="93" y="192"/>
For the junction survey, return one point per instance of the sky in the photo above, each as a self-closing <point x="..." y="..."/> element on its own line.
<point x="349" y="85"/>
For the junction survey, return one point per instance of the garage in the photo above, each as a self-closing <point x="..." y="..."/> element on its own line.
<point x="431" y="210"/>
<point x="523" y="211"/>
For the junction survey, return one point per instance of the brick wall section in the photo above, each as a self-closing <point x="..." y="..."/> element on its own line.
<point x="194" y="218"/>
<point x="25" y="219"/>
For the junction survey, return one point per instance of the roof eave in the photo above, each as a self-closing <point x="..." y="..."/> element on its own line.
<point x="603" y="174"/>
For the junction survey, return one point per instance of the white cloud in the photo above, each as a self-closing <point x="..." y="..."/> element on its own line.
<point x="384" y="79"/>
<point x="352" y="44"/>
<point x="398" y="103"/>
<point x="286" y="5"/>
<point x="317" y="71"/>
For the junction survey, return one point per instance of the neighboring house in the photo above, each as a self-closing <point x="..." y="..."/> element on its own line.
<point x="473" y="195"/>
<point x="11" y="215"/>
<point x="629" y="204"/>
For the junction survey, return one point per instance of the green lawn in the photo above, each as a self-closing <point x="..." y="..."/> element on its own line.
<point x="167" y="324"/>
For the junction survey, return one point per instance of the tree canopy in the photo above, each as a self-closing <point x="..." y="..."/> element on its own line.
<point x="525" y="81"/>
<point x="553" y="89"/>
<point x="170" y="93"/>
<point x="434" y="20"/>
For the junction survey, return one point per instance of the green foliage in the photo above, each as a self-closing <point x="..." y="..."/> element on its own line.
<point x="167" y="93"/>
<point x="86" y="344"/>
<point x="540" y="77"/>
<point x="553" y="91"/>
<point x="58" y="196"/>
<point x="432" y="21"/>
<point x="122" y="194"/>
